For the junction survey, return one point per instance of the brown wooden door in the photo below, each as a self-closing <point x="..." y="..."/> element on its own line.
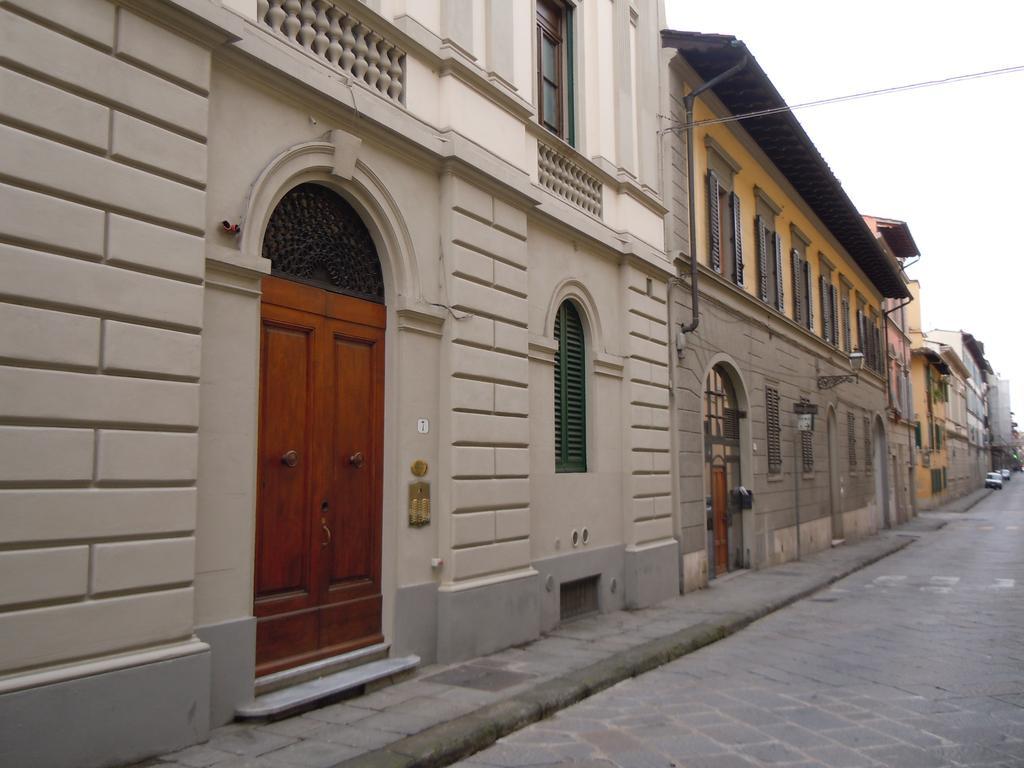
<point x="720" y="520"/>
<point x="320" y="467"/>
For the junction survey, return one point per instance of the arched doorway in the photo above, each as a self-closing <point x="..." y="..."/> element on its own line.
<point x="722" y="475"/>
<point x="317" y="579"/>
<point x="834" y="494"/>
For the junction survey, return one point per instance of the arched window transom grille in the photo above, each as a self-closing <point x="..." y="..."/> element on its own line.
<point x="314" y="236"/>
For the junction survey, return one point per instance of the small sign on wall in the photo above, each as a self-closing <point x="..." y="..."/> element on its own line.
<point x="422" y="426"/>
<point x="805" y="422"/>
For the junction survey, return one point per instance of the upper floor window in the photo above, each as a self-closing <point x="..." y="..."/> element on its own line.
<point x="870" y="342"/>
<point x="554" y="68"/>
<point x="769" y="254"/>
<point x="725" y="227"/>
<point x="570" y="391"/>
<point x="803" y="282"/>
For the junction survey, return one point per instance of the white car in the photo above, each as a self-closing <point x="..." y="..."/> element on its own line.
<point x="1005" y="473"/>
<point x="994" y="480"/>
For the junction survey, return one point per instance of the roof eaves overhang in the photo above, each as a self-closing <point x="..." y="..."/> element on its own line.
<point x="977" y="351"/>
<point x="933" y="357"/>
<point x="953" y="361"/>
<point x="790" y="149"/>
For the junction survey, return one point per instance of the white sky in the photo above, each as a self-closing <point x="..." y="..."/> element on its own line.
<point x="948" y="160"/>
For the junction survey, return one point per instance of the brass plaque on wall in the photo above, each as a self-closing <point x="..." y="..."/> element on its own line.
<point x="419" y="504"/>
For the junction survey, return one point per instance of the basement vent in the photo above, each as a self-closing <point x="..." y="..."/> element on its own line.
<point x="578" y="598"/>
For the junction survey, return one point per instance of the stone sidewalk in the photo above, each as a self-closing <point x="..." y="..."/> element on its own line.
<point x="448" y="712"/>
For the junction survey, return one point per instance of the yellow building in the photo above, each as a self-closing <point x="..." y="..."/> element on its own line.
<point x="782" y="287"/>
<point x="930" y="380"/>
<point x="930" y="375"/>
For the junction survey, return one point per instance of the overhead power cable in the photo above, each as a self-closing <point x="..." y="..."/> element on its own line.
<point x="851" y="97"/>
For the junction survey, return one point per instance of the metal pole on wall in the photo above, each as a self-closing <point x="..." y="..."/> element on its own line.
<point x="804" y="412"/>
<point x="796" y="493"/>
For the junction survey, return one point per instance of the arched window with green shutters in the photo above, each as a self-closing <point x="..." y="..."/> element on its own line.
<point x="570" y="391"/>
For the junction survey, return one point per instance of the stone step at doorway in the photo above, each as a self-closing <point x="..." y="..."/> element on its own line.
<point x="294" y="690"/>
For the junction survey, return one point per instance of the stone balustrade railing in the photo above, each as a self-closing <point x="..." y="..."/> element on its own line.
<point x="341" y="40"/>
<point x="568" y="179"/>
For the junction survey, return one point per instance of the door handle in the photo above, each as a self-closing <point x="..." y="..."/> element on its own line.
<point x="356" y="459"/>
<point x="323" y="525"/>
<point x="290" y="458"/>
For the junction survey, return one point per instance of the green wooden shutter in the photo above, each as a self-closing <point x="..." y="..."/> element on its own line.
<point x="570" y="392"/>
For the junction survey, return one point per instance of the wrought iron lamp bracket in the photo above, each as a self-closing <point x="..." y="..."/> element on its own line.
<point x="828" y="382"/>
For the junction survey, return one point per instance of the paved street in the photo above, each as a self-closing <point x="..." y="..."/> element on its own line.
<point x="917" y="660"/>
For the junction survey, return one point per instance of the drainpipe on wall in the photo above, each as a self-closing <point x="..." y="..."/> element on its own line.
<point x="688" y="101"/>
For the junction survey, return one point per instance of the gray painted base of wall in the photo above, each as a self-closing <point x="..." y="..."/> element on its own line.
<point x="605" y="562"/>
<point x="651" y="575"/>
<point x="474" y="622"/>
<point x="108" y="719"/>
<point x="416" y="622"/>
<point x="232" y="666"/>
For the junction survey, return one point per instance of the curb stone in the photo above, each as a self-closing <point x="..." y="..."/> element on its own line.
<point x="448" y="742"/>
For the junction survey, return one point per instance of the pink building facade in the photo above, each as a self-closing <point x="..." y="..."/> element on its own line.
<point x="896" y="239"/>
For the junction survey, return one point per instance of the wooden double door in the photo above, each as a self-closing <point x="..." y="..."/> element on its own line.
<point x="320" y="466"/>
<point x="720" y="519"/>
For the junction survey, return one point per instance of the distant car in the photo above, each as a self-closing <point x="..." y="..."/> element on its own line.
<point x="1005" y="473"/>
<point x="994" y="480"/>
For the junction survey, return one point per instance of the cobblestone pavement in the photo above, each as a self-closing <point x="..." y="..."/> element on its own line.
<point x="362" y="727"/>
<point x="917" y="660"/>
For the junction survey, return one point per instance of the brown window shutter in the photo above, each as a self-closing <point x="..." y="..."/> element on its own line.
<point x="762" y="258"/>
<point x="851" y="439"/>
<point x="868" y="446"/>
<point x="826" y="315"/>
<point x="809" y="281"/>
<point x="835" y="314"/>
<point x="847" y="342"/>
<point x="773" y="426"/>
<point x="737" y="238"/>
<point x="714" y="222"/>
<point x="780" y="297"/>
<point x="797" y="276"/>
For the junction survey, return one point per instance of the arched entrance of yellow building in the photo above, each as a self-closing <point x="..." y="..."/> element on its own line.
<point x="722" y="477"/>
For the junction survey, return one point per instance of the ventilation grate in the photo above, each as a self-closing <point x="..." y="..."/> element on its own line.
<point x="578" y="598"/>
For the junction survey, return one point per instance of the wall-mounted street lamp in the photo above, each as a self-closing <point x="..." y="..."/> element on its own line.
<point x="856" y="363"/>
